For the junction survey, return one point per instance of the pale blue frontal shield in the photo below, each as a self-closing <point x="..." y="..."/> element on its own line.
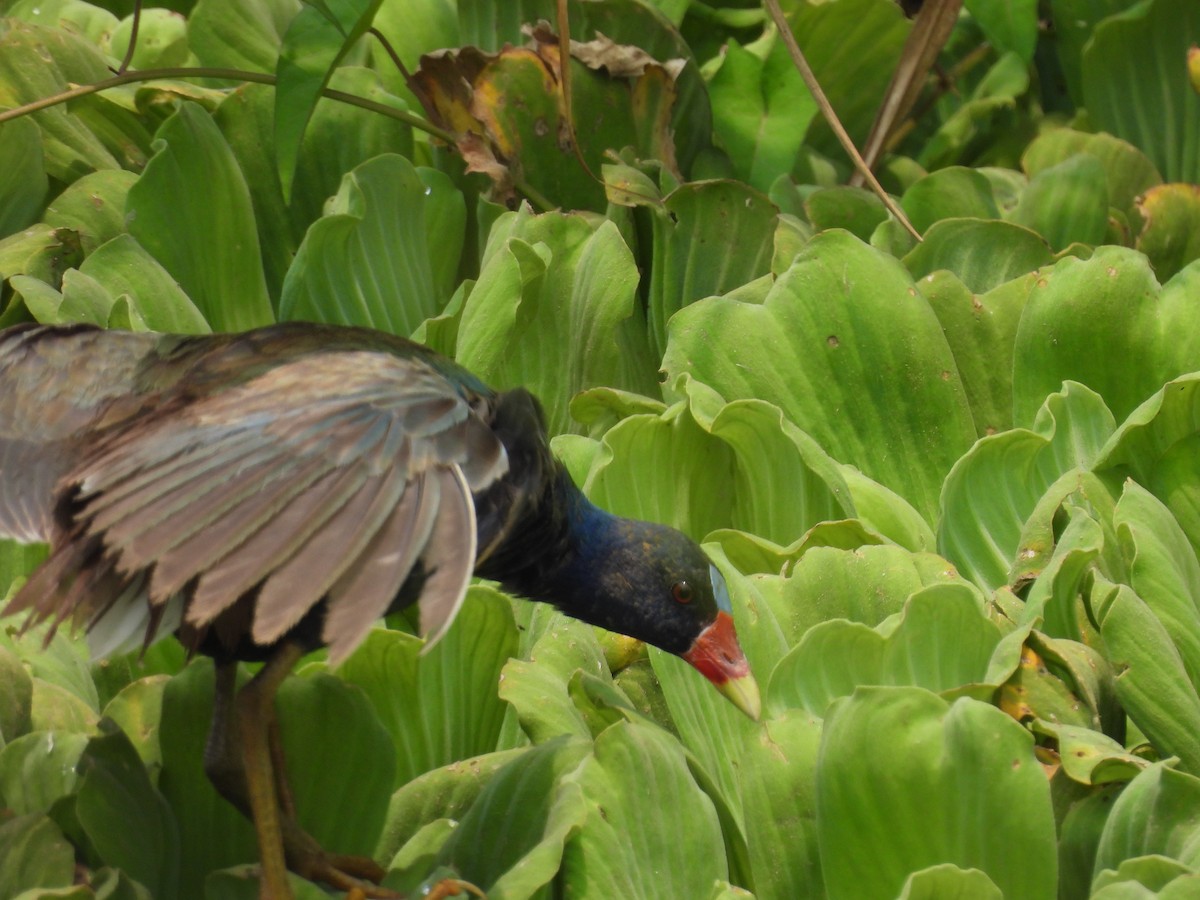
<point x="720" y="590"/>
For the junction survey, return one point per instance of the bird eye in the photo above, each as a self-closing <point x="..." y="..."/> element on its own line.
<point x="682" y="591"/>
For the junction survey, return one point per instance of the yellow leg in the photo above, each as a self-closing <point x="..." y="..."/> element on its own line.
<point x="254" y="710"/>
<point x="245" y="762"/>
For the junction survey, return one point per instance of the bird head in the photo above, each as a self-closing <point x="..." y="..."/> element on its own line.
<point x="654" y="583"/>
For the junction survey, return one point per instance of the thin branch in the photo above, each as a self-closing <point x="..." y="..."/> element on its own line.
<point x="133" y="36"/>
<point x="827" y="111"/>
<point x="84" y="90"/>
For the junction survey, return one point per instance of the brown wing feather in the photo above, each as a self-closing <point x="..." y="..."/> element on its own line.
<point x="330" y="474"/>
<point x="367" y="588"/>
<point x="297" y="585"/>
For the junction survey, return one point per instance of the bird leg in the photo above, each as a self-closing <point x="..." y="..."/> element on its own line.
<point x="243" y="760"/>
<point x="253" y="711"/>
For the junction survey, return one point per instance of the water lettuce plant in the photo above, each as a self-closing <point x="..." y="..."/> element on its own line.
<point x="951" y="482"/>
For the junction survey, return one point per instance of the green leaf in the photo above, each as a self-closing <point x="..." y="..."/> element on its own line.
<point x="62" y="663"/>
<point x="555" y="310"/>
<point x="125" y="818"/>
<point x="852" y="47"/>
<point x="993" y="489"/>
<point x="16" y="698"/>
<point x="386" y="253"/>
<point x="942" y="642"/>
<point x="123" y="267"/>
<point x="986" y="117"/>
<point x="441" y="706"/>
<point x="81" y="18"/>
<point x="161" y="39"/>
<point x="537" y="687"/>
<point x="761" y="111"/>
<point x="1135" y="84"/>
<point x="905" y="779"/>
<point x="1171" y="216"/>
<point x="857" y="210"/>
<point x="138" y="710"/>
<point x="525" y="816"/>
<point x="1079" y="836"/>
<point x="38" y="769"/>
<point x="947" y="880"/>
<point x="1112" y="301"/>
<point x="707" y="239"/>
<point x="1058" y="559"/>
<point x="1163" y="570"/>
<point x="1008" y="25"/>
<point x="239" y="34"/>
<point x="38" y="62"/>
<point x="953" y="192"/>
<point x="983" y="254"/>
<point x="339" y="137"/>
<point x="316" y="40"/>
<point x="747" y="467"/>
<point x="981" y="330"/>
<point x="1074" y="24"/>
<point x="1090" y="757"/>
<point x="818" y="347"/>
<point x="1153" y="685"/>
<point x="55" y="708"/>
<point x="1155" y="814"/>
<point x="191" y="210"/>
<point x="1066" y="203"/>
<point x="340" y="787"/>
<point x="650" y="831"/>
<point x="1128" y="172"/>
<point x="93" y="207"/>
<point x="33" y="854"/>
<point x="41" y="252"/>
<point x="23" y="182"/>
<point x="865" y="585"/>
<point x="777" y="777"/>
<point x="440" y="794"/>
<point x="212" y="833"/>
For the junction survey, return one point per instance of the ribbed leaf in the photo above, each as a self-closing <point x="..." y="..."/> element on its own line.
<point x="36" y="770"/>
<point x="761" y="110"/>
<point x="33" y="854"/>
<point x="1128" y="171"/>
<point x="316" y="39"/>
<point x="1154" y="686"/>
<point x="385" y="255"/>
<point x="983" y="254"/>
<point x="1066" y="203"/>
<point x="23" y="181"/>
<point x="1111" y="300"/>
<point x="953" y="192"/>
<point x="192" y="211"/>
<point x="126" y="820"/>
<point x="823" y="347"/>
<point x="555" y="311"/>
<point x="908" y="781"/>
<point x="650" y="832"/>
<point x="1134" y="84"/>
<point x="93" y="207"/>
<point x="982" y="332"/>
<point x="1155" y="814"/>
<point x="525" y="816"/>
<point x="1170" y="234"/>
<point x="442" y="706"/>
<point x="992" y="490"/>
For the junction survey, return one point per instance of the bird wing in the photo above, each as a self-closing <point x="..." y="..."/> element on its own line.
<point x="56" y="381"/>
<point x="330" y="476"/>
